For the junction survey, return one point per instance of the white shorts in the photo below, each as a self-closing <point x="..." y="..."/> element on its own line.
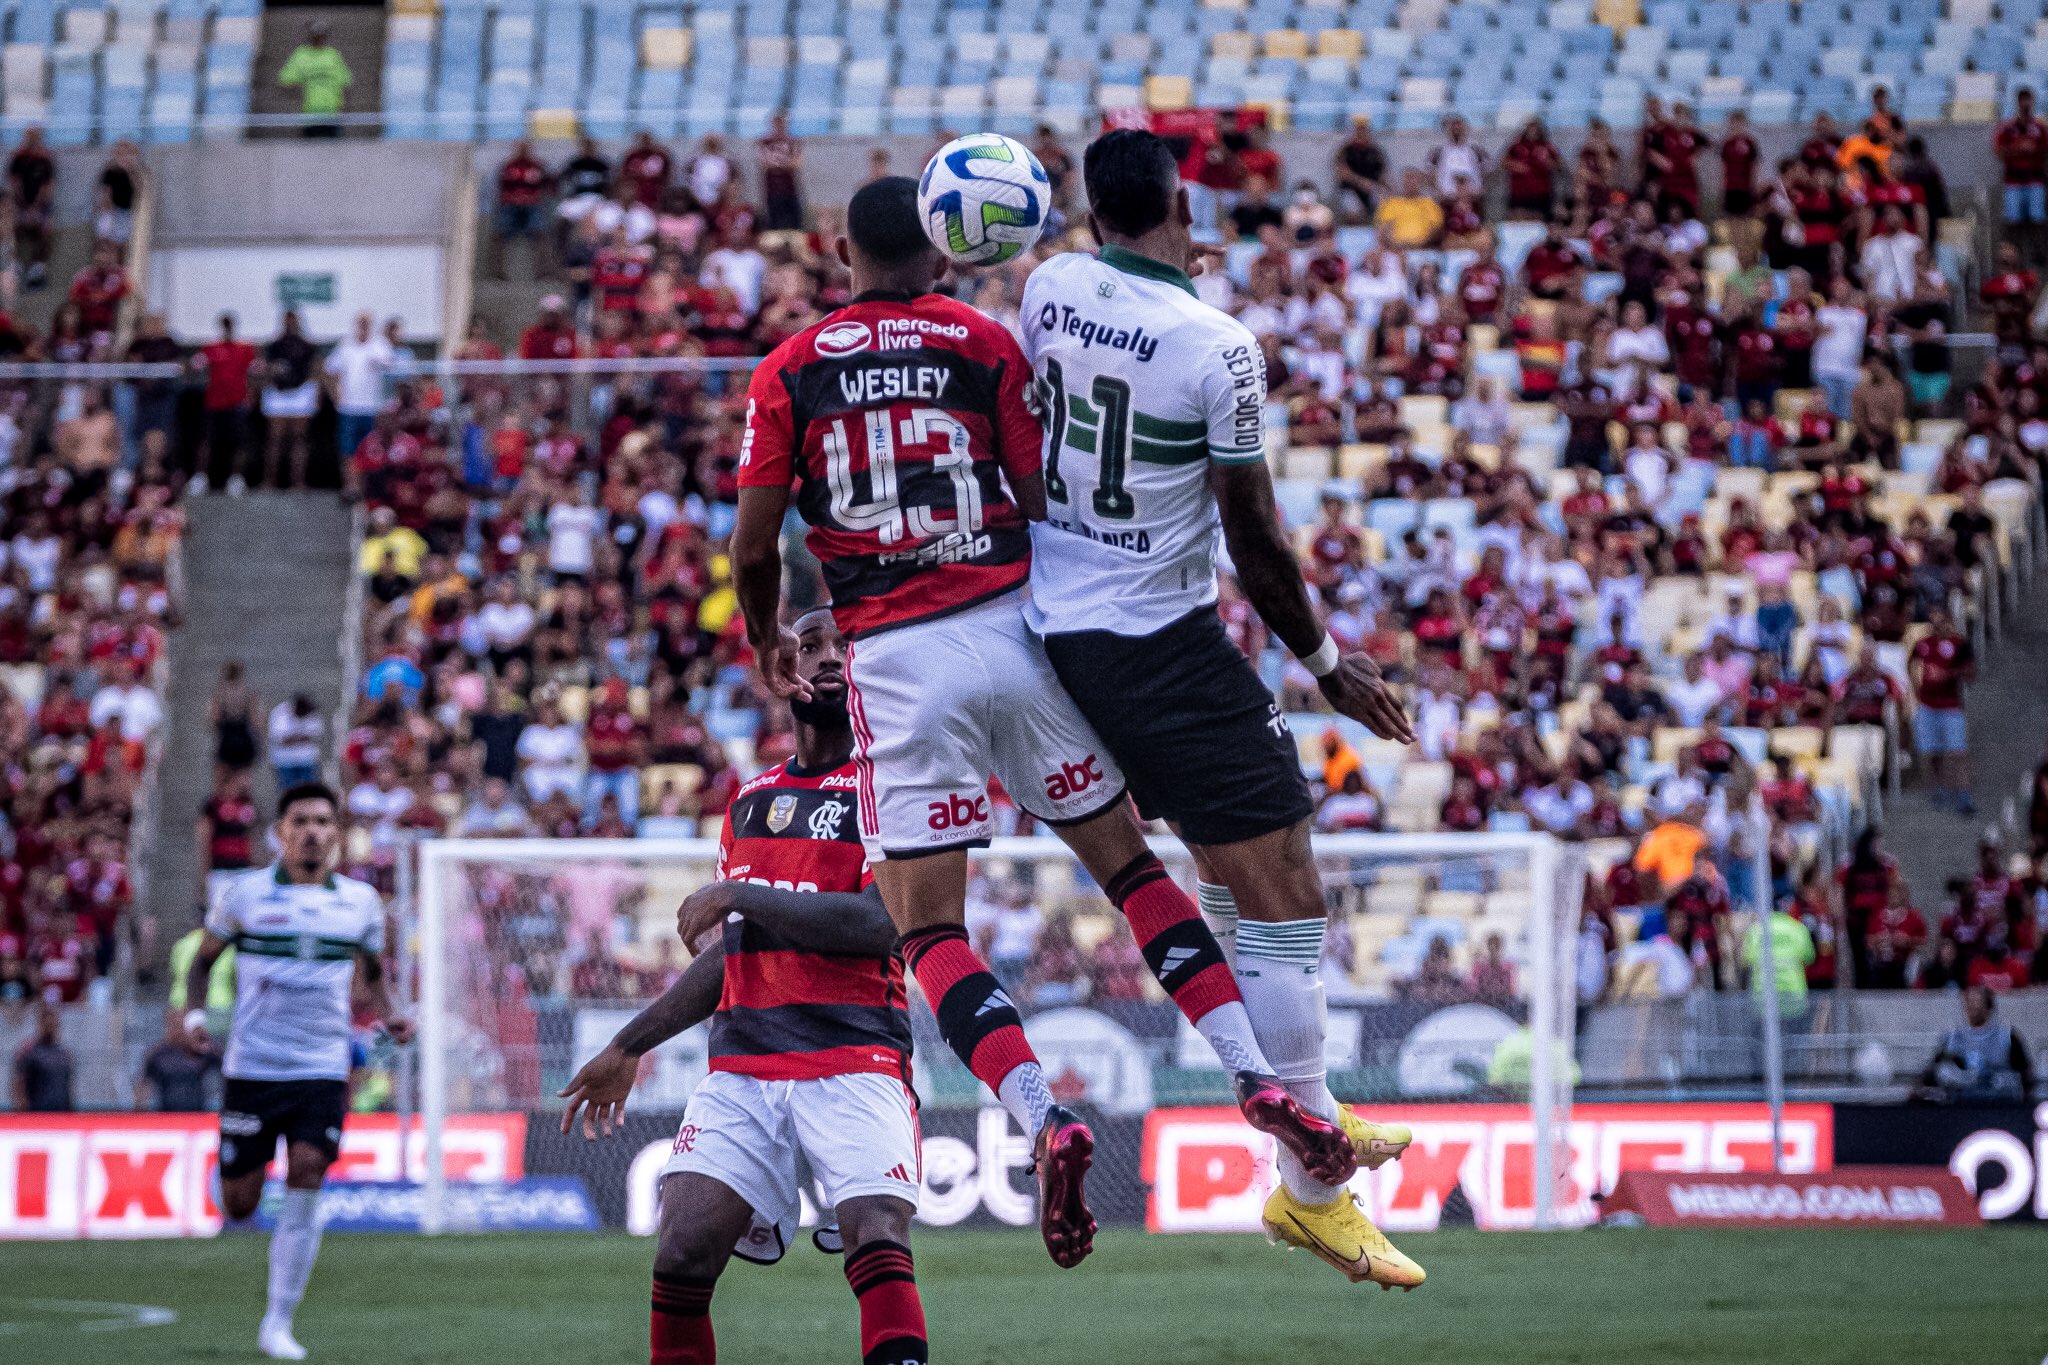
<point x="940" y="706"/>
<point x="858" y="1132"/>
<point x="302" y="401"/>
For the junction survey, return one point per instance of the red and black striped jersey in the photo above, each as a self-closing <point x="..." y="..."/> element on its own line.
<point x="787" y="1013"/>
<point x="895" y="419"/>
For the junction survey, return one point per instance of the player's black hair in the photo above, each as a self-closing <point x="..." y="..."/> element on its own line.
<point x="307" y="791"/>
<point x="1131" y="175"/>
<point x="881" y="218"/>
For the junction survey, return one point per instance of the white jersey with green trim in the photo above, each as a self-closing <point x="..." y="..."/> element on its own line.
<point x="1143" y="386"/>
<point x="295" y="957"/>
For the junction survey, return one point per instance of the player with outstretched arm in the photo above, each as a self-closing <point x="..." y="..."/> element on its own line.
<point x="810" y="1047"/>
<point x="903" y="422"/>
<point x="1155" y="406"/>
<point x="306" y="941"/>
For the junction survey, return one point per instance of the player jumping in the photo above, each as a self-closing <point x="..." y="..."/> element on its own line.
<point x="305" y="940"/>
<point x="1155" y="416"/>
<point x="900" y="418"/>
<point x="810" y="1046"/>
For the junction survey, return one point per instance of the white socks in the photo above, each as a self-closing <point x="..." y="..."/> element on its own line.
<point x="1024" y="1093"/>
<point x="1279" y="972"/>
<point x="1219" y="912"/>
<point x="294" y="1244"/>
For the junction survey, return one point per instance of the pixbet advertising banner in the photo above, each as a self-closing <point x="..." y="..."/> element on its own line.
<point x="152" y="1175"/>
<point x="1210" y="1173"/>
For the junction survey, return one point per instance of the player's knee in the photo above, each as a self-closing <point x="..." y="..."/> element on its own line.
<point x="305" y="1169"/>
<point x="684" y="1251"/>
<point x="874" y="1220"/>
<point x="239" y="1199"/>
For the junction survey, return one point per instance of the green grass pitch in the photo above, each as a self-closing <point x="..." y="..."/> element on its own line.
<point x="1641" y="1295"/>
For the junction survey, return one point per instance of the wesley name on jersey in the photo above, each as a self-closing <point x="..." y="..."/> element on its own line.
<point x="1142" y="386"/>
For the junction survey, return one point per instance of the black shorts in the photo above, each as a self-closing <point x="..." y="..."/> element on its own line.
<point x="1200" y="739"/>
<point x="255" y="1114"/>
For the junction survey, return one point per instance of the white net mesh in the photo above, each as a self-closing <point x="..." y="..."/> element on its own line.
<point x="1448" y="959"/>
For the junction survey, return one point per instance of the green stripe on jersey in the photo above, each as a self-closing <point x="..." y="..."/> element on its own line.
<point x="1168" y="452"/>
<point x="1237" y="456"/>
<point x="306" y="947"/>
<point x="1149" y="428"/>
<point x="1081" y="410"/>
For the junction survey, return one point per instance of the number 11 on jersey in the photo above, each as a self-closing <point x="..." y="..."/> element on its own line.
<point x="1112" y="399"/>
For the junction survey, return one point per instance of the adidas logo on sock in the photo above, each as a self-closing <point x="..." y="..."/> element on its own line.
<point x="1176" y="958"/>
<point x="997" y="1000"/>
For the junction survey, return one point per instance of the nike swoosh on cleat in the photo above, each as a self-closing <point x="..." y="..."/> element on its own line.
<point x="1361" y="1259"/>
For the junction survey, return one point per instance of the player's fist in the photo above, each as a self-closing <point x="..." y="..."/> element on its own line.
<point x="1356" y="689"/>
<point x="776" y="655"/>
<point x="702" y="912"/>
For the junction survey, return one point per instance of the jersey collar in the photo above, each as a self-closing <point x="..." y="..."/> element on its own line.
<point x="1131" y="263"/>
<point x="277" y="875"/>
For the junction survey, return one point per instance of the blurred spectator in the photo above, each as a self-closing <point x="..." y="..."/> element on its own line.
<point x="781" y="160"/>
<point x="43" y="1069"/>
<point x="180" y="1075"/>
<point x="356" y="368"/>
<point x="1982" y="1062"/>
<point x="298" y="735"/>
<point x="320" y="73"/>
<point x="291" y="395"/>
<point x="32" y="194"/>
<point x="227" y="363"/>
<point x="2021" y="146"/>
<point x="520" y="216"/>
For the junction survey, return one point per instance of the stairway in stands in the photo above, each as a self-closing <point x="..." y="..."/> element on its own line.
<point x="2008" y="710"/>
<point x="266" y="582"/>
<point x="357" y="31"/>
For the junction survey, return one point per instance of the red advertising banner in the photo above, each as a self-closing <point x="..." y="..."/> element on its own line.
<point x="1209" y="1172"/>
<point x="151" y="1175"/>
<point x="1897" y="1196"/>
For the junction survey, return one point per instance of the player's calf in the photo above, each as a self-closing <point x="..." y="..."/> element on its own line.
<point x="884" y="1281"/>
<point x="700" y="1221"/>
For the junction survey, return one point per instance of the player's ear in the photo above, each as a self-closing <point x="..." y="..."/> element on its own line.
<point x="1182" y="214"/>
<point x="939" y="265"/>
<point x="842" y="247"/>
<point x="1094" y="228"/>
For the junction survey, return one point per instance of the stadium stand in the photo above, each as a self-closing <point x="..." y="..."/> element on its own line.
<point x="866" y="67"/>
<point x="144" y="71"/>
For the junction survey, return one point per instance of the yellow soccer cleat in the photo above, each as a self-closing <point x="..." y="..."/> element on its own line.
<point x="1339" y="1232"/>
<point x="1375" y="1143"/>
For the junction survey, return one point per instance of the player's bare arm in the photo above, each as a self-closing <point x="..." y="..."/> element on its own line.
<point x="598" y="1091"/>
<point x="757" y="582"/>
<point x="211" y="946"/>
<point x="1271" y="578"/>
<point x="820" y="921"/>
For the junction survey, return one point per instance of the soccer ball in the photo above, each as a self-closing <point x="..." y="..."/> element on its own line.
<point x="983" y="199"/>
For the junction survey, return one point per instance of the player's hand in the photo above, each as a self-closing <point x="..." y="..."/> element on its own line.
<point x="703" y="912"/>
<point x="1356" y="689"/>
<point x="398" y="1029"/>
<point x="599" y="1091"/>
<point x="777" y="660"/>
<point x="1205" y="258"/>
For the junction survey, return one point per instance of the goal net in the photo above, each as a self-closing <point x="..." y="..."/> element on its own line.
<point x="1448" y="966"/>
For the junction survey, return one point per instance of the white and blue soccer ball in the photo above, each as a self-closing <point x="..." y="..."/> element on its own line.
<point x="984" y="199"/>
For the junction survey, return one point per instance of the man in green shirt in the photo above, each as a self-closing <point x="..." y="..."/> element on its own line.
<point x="1792" y="952"/>
<point x="319" y="70"/>
<point x="220" y="982"/>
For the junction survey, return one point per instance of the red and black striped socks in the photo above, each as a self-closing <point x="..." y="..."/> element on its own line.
<point x="891" y="1315"/>
<point x="977" y="1019"/>
<point x="679" y="1328"/>
<point x="1185" y="957"/>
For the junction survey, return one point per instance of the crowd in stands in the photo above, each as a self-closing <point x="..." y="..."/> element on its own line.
<point x="1659" y="488"/>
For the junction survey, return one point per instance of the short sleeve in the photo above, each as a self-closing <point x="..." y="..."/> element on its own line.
<point x="767" y="453"/>
<point x="725" y="844"/>
<point x="373" y="920"/>
<point x="224" y="916"/>
<point x="1233" y="394"/>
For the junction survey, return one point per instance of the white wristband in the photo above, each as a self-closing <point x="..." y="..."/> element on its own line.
<point x="1323" y="662"/>
<point x="195" y="1020"/>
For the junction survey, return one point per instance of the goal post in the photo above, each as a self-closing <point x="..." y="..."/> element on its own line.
<point x="528" y="953"/>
